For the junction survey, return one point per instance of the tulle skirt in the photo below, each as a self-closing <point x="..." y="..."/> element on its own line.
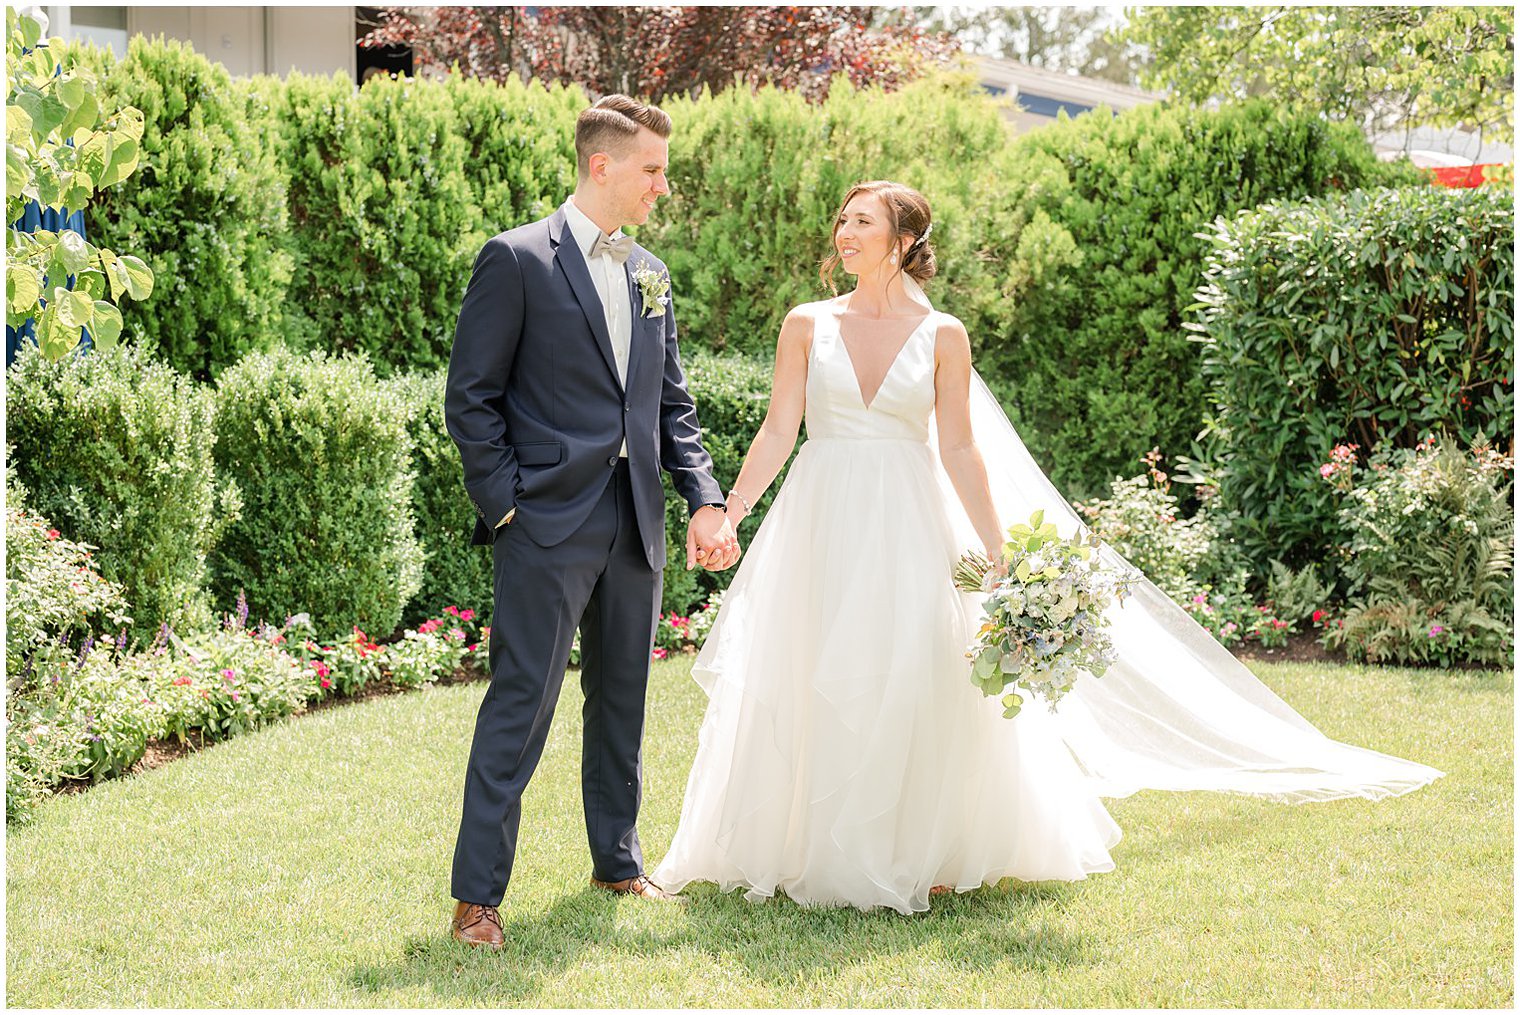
<point x="845" y="757"/>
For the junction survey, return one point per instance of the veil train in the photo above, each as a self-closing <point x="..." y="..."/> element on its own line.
<point x="1177" y="711"/>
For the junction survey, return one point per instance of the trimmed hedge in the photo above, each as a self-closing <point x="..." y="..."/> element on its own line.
<point x="321" y="453"/>
<point x="454" y="573"/>
<point x="1372" y="319"/>
<point x="205" y="210"/>
<point x="395" y="187"/>
<point x="1098" y="362"/>
<point x="1069" y="252"/>
<point x="116" y="449"/>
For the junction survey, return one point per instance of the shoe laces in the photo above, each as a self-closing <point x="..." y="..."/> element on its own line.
<point x="479" y="913"/>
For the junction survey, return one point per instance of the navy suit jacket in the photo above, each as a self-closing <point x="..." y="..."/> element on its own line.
<point x="533" y="400"/>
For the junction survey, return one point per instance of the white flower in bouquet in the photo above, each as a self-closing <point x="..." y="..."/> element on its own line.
<point x="1044" y="626"/>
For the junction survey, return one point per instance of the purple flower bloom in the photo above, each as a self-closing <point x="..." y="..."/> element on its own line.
<point x="242" y="608"/>
<point x="84" y="651"/>
<point x="229" y="675"/>
<point x="121" y="641"/>
<point x="1435" y="629"/>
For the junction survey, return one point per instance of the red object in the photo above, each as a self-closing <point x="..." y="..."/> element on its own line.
<point x="1460" y="176"/>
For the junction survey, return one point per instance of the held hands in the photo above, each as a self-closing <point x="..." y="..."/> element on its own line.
<point x="710" y="541"/>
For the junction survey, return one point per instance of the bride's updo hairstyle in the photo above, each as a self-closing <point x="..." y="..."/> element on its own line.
<point x="907" y="214"/>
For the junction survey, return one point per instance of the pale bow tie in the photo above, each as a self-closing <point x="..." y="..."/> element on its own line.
<point x="617" y="249"/>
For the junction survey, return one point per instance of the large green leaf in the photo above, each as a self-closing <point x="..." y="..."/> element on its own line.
<point x="23" y="285"/>
<point x="105" y="329"/>
<point x="137" y="277"/>
<point x="123" y="162"/>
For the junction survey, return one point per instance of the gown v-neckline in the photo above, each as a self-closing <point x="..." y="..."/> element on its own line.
<point x="850" y="359"/>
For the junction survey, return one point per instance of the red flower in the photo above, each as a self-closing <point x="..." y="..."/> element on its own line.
<point x="466" y="615"/>
<point x="452" y="611"/>
<point x="1318" y="616"/>
<point x="326" y="683"/>
<point x="182" y="681"/>
<point x="660" y="653"/>
<point x="52" y="533"/>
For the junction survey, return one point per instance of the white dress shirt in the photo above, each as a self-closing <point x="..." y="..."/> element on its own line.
<point x="611" y="283"/>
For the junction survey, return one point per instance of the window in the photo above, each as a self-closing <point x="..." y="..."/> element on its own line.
<point x="104" y="26"/>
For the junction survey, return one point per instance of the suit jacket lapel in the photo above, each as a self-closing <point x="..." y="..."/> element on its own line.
<point x="638" y="335"/>
<point x="573" y="263"/>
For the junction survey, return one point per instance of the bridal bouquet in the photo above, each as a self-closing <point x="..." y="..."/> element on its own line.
<point x="1045" y="623"/>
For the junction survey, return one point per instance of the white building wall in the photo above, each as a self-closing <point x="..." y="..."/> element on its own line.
<point x="249" y="40"/>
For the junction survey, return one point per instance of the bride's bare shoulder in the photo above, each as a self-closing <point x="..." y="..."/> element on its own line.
<point x="801" y="320"/>
<point x="950" y="337"/>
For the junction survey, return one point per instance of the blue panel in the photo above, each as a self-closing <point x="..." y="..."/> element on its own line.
<point x="1041" y="105"/>
<point x="33" y="218"/>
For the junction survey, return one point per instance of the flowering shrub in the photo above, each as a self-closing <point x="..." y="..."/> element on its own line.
<point x="702" y="620"/>
<point x="1220" y="615"/>
<point x="671" y="634"/>
<point x="52" y="587"/>
<point x="88" y="712"/>
<point x="1141" y="519"/>
<point x="434" y="648"/>
<point x="1430" y="556"/>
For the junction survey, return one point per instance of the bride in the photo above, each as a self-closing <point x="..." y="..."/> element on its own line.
<point x="845" y="757"/>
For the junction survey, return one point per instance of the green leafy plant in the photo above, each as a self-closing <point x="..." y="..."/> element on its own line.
<point x="206" y="210"/>
<point x="321" y="453"/>
<point x="1362" y="320"/>
<point x="59" y="151"/>
<point x="116" y="448"/>
<point x="1430" y="556"/>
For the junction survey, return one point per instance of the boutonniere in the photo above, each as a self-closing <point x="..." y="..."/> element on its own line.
<point x="654" y="286"/>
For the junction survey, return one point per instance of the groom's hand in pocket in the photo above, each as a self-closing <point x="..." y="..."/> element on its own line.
<point x="710" y="541"/>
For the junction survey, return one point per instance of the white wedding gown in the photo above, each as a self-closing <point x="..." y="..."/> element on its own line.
<point x="845" y="757"/>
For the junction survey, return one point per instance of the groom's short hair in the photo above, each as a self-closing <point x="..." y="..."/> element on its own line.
<point x="610" y="126"/>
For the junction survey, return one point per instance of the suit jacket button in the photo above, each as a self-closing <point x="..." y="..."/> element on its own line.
<point x="625" y="407"/>
<point x="613" y="461"/>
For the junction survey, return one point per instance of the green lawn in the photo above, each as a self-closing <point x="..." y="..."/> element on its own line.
<point x="308" y="865"/>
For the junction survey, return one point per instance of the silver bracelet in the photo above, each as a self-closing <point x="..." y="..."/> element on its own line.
<point x="747" y="509"/>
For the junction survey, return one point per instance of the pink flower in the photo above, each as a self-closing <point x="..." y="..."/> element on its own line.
<point x="322" y="670"/>
<point x="1435" y="629"/>
<point x="182" y="681"/>
<point x="1327" y="470"/>
<point x="472" y="648"/>
<point x="326" y="683"/>
<point x="235" y="696"/>
<point x="485" y="632"/>
<point x="229" y="675"/>
<point x="52" y="533"/>
<point x="660" y="653"/>
<point x="467" y="615"/>
<point x="456" y="634"/>
<point x="1201" y="598"/>
<point x="452" y="611"/>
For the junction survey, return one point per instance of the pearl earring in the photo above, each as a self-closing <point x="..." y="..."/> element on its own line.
<point x="894" y="257"/>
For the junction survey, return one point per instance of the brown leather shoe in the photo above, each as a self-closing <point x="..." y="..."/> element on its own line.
<point x="639" y="885"/>
<point x="477" y="925"/>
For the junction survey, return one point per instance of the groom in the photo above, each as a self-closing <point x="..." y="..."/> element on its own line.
<point x="566" y="397"/>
